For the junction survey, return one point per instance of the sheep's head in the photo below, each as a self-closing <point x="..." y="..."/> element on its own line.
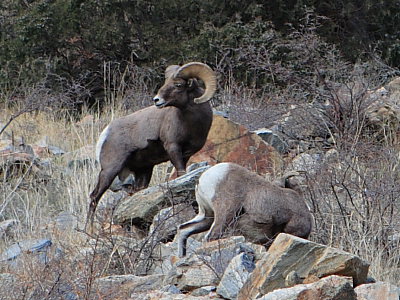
<point x="181" y="86"/>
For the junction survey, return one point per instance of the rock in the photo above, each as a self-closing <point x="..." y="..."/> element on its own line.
<point x="303" y="123"/>
<point x="306" y="162"/>
<point x="120" y="286"/>
<point x="192" y="273"/>
<point x="231" y="142"/>
<point x="329" y="288"/>
<point x="203" y="291"/>
<point x="13" y="163"/>
<point x="160" y="295"/>
<point x="108" y="204"/>
<point x="81" y="158"/>
<point x="207" y="265"/>
<point x="378" y="290"/>
<point x="308" y="259"/>
<point x="273" y="139"/>
<point x="165" y="255"/>
<point x="235" y="275"/>
<point x="7" y="226"/>
<point x="141" y="208"/>
<point x="172" y="289"/>
<point x="37" y="248"/>
<point x="65" y="221"/>
<point x="165" y="222"/>
<point x="42" y="148"/>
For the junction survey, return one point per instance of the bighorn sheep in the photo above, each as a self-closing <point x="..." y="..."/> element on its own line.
<point x="229" y="195"/>
<point x="174" y="129"/>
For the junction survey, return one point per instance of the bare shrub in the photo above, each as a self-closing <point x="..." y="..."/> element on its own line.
<point x="356" y="208"/>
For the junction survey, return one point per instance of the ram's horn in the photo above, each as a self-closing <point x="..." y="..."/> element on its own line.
<point x="203" y="72"/>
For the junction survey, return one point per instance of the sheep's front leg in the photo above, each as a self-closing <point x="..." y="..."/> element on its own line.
<point x="175" y="154"/>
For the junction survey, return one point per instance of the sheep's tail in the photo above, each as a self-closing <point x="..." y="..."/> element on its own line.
<point x="100" y="142"/>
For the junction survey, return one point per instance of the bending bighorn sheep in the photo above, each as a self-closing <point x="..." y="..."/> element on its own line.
<point x="174" y="129"/>
<point x="228" y="192"/>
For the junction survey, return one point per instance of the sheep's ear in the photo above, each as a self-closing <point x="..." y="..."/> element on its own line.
<point x="170" y="71"/>
<point x="192" y="83"/>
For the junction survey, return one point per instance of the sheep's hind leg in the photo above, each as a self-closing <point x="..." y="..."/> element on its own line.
<point x="197" y="225"/>
<point x="297" y="227"/>
<point x="217" y="229"/>
<point x="142" y="181"/>
<point x="105" y="179"/>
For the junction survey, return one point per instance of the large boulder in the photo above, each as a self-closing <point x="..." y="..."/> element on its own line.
<point x="231" y="142"/>
<point x="309" y="261"/>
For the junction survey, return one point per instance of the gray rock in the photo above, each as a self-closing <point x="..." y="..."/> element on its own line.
<point x="56" y="150"/>
<point x="306" y="162"/>
<point x="203" y="291"/>
<point x="140" y="208"/>
<point x="235" y="275"/>
<point x="207" y="264"/>
<point x="172" y="289"/>
<point x="120" y="286"/>
<point x="329" y="288"/>
<point x="65" y="221"/>
<point x="39" y="248"/>
<point x="273" y="139"/>
<point x="166" y="221"/>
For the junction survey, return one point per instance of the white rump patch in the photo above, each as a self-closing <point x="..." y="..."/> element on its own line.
<point x="100" y="142"/>
<point x="210" y="179"/>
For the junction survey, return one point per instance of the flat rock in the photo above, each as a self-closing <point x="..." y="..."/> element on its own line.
<point x="329" y="288"/>
<point x="34" y="246"/>
<point x="141" y="208"/>
<point x="121" y="286"/>
<point x="310" y="261"/>
<point x="161" y="295"/>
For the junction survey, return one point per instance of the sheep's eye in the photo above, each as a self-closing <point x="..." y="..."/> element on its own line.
<point x="179" y="85"/>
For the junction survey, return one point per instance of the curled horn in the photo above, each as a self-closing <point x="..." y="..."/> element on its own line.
<point x="203" y="72"/>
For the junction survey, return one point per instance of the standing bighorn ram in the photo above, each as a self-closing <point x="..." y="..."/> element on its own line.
<point x="174" y="129"/>
<point x="229" y="195"/>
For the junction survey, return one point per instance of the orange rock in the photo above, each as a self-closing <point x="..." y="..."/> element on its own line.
<point x="231" y="142"/>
